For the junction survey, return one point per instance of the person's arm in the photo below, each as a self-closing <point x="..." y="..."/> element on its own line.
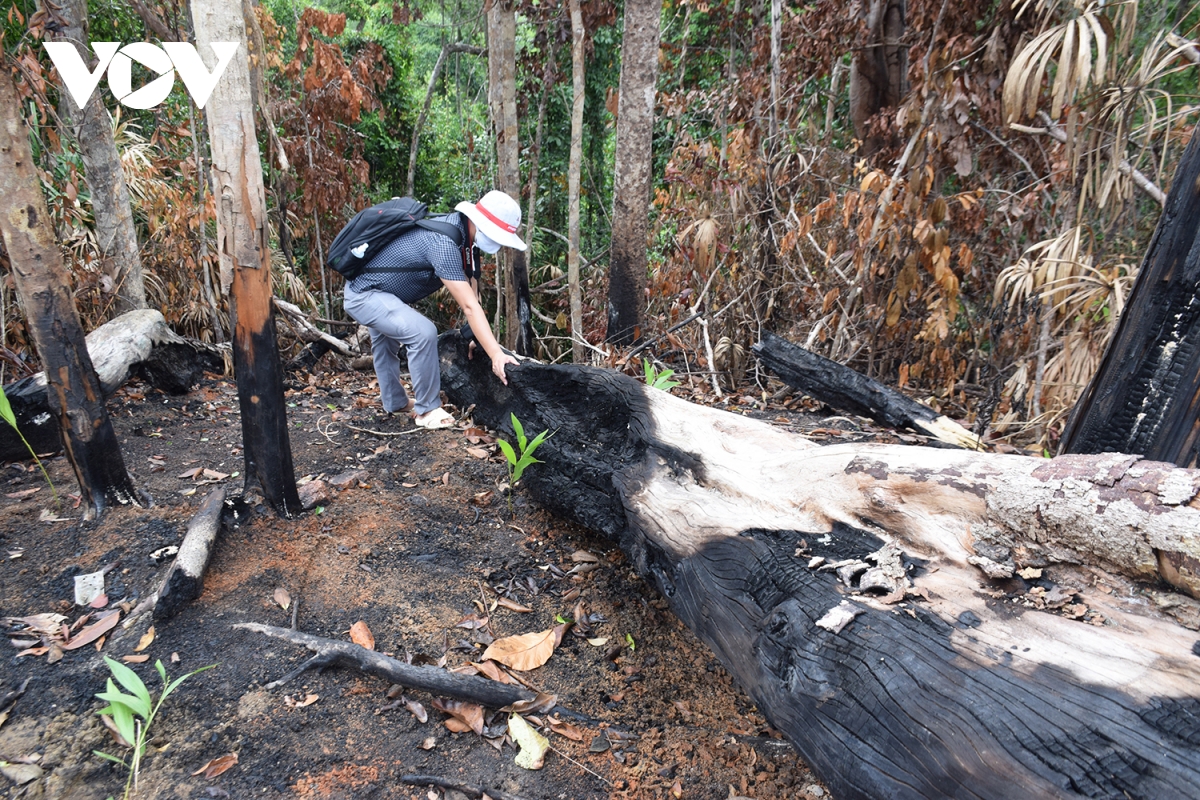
<point x="464" y="295"/>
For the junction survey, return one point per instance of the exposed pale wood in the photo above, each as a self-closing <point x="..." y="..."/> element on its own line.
<point x="574" y="168"/>
<point x="184" y="581"/>
<point x="309" y="332"/>
<point x="847" y="390"/>
<point x="957" y="690"/>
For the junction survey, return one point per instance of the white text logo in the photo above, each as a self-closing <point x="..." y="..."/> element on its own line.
<point x="172" y="57"/>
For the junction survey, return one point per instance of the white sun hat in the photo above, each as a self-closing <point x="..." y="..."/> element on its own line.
<point x="497" y="217"/>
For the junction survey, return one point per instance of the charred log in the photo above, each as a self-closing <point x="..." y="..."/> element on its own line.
<point x="137" y="344"/>
<point x="881" y="603"/>
<point x="842" y="388"/>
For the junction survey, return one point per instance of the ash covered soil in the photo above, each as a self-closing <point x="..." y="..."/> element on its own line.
<point x="417" y="541"/>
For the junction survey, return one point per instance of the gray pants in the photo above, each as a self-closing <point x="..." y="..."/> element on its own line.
<point x="392" y="323"/>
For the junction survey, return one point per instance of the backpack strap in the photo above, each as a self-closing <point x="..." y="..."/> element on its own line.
<point x="447" y="229"/>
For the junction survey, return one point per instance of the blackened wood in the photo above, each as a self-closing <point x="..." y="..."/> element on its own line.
<point x="44" y="287"/>
<point x="1145" y="397"/>
<point x="959" y="693"/>
<point x="135" y="344"/>
<point x="184" y="581"/>
<point x="331" y="652"/>
<point x="245" y="255"/>
<point x="844" y="389"/>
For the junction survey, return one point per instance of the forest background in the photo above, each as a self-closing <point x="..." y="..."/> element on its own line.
<point x="949" y="197"/>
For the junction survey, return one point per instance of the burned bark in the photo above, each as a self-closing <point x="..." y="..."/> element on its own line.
<point x="136" y="344"/>
<point x="631" y="171"/>
<point x="245" y="253"/>
<point x="43" y="285"/>
<point x="1145" y="397"/>
<point x="184" y="581"/>
<point x="880" y="603"/>
<point x="842" y="388"/>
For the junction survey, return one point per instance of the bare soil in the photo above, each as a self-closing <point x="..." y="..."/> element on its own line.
<point x="420" y="541"/>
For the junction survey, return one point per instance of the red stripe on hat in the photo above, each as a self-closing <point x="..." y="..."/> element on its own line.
<point x="498" y="222"/>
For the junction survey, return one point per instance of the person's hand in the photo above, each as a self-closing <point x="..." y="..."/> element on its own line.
<point x="498" y="366"/>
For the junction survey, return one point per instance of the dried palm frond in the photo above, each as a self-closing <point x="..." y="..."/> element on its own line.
<point x="1049" y="263"/>
<point x="1068" y="47"/>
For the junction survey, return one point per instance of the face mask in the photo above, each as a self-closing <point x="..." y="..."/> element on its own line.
<point x="484" y="243"/>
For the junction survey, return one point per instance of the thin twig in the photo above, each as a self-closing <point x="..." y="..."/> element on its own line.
<point x="581" y="766"/>
<point x="383" y="434"/>
<point x="467" y="789"/>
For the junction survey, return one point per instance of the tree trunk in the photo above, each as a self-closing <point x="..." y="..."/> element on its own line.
<point x="115" y="236"/>
<point x="245" y="254"/>
<point x="1145" y="397"/>
<point x="631" y="173"/>
<point x="44" y="287"/>
<point x="502" y="69"/>
<point x="574" y="167"/>
<point x="136" y="343"/>
<point x="879" y="68"/>
<point x="915" y="620"/>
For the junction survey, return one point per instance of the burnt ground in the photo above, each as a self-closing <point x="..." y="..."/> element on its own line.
<point x="420" y="541"/>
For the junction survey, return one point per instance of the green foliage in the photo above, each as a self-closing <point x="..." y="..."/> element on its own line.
<point x="6" y="413"/>
<point x="518" y="463"/>
<point x="133" y="714"/>
<point x="659" y="379"/>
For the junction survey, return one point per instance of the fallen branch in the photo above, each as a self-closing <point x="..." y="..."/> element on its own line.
<point x="309" y="332"/>
<point x="847" y="390"/>
<point x="185" y="579"/>
<point x="331" y="652"/>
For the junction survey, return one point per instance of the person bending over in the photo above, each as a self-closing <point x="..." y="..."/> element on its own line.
<point x="414" y="266"/>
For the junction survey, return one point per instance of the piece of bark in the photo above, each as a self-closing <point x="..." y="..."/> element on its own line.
<point x="846" y="390"/>
<point x="331" y="652"/>
<point x="135" y="344"/>
<point x="185" y="579"/>
<point x="964" y="689"/>
<point x="312" y="494"/>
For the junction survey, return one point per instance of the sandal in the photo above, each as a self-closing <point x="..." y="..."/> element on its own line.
<point x="434" y="420"/>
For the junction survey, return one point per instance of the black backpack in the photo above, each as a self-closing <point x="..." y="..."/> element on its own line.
<point x="374" y="228"/>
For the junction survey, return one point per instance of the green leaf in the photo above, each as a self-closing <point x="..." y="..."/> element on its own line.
<point x="132" y="702"/>
<point x="508" y="451"/>
<point x="6" y="411"/>
<point x="648" y="369"/>
<point x="629" y="641"/>
<point x="519" y="470"/>
<point x="520" y="429"/>
<point x="129" y="679"/>
<point x="173" y="685"/>
<point x="122" y="717"/>
<point x="162" y="671"/>
<point x="107" y="757"/>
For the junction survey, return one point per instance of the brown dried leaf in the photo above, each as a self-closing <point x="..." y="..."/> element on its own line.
<point x="94" y="631"/>
<point x="472" y="622"/>
<point x="478" y="452"/>
<point x="218" y="765"/>
<point x="541" y="703"/>
<point x="282" y="598"/>
<point x="308" y="700"/>
<point x="146" y="640"/>
<point x="565" y="729"/>
<point x="417" y="710"/>
<point x="492" y="671"/>
<point x="525" y="652"/>
<point x="584" y="556"/>
<point x="191" y="473"/>
<point x="461" y="714"/>
<point x="138" y="659"/>
<point x="513" y="605"/>
<point x="361" y="635"/>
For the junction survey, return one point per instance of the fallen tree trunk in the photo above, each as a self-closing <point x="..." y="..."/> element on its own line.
<point x="184" y="581"/>
<point x="842" y="388"/>
<point x="915" y="620"/>
<point x="138" y="343"/>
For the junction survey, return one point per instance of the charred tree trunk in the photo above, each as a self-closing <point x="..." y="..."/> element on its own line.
<point x="245" y="254"/>
<point x="847" y="390"/>
<point x="1145" y="397"/>
<point x="115" y="235"/>
<point x="502" y="71"/>
<point x="631" y="172"/>
<point x="44" y="287"/>
<point x="879" y="68"/>
<point x="915" y="620"/>
<point x="137" y="343"/>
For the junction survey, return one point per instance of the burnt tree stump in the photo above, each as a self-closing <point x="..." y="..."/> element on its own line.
<point x="886" y="606"/>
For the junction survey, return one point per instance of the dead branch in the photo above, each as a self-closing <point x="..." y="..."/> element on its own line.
<point x="465" y="788"/>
